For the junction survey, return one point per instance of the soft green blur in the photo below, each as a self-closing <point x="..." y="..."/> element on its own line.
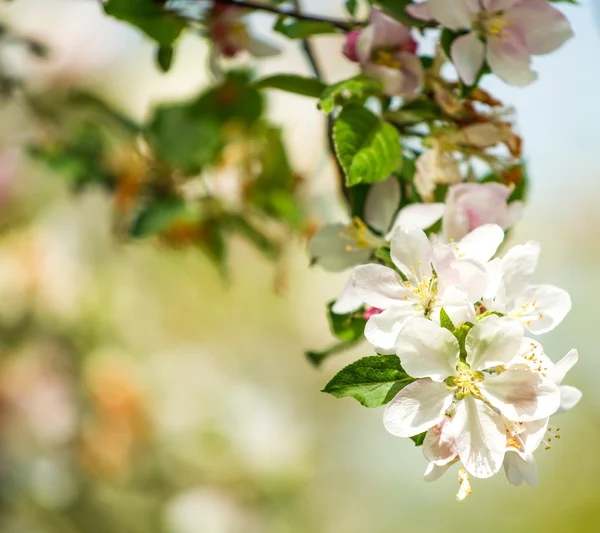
<point x="141" y="392"/>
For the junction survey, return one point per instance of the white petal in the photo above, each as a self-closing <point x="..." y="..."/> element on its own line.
<point x="469" y="274"/>
<point x="434" y="472"/>
<point x="509" y="57"/>
<point x="379" y="286"/>
<point x="453" y="15"/>
<point x="382" y="329"/>
<point x="481" y="244"/>
<point x="519" y="265"/>
<point x="569" y="398"/>
<point x="468" y="53"/>
<point x="439" y="446"/>
<point x="493" y="341"/>
<point x="521" y="395"/>
<point x="427" y="350"/>
<point x="328" y="248"/>
<point x="520" y="467"/>
<point x="455" y="301"/>
<point x="364" y="44"/>
<point x="420" y="215"/>
<point x="495" y="287"/>
<point x="348" y="302"/>
<point x="480" y="437"/>
<point x="533" y="434"/>
<point x="382" y="203"/>
<point x="498" y="5"/>
<point x="558" y="372"/>
<point x="416" y="408"/>
<point x="410" y="250"/>
<point x="541" y="307"/>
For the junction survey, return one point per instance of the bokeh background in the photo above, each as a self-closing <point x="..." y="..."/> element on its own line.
<point x="140" y="392"/>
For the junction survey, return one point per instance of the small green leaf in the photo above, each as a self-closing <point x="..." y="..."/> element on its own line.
<point x="301" y="29"/>
<point x="489" y="313"/>
<point x="373" y="381"/>
<point x="461" y="333"/>
<point x="351" y="6"/>
<point x="355" y="90"/>
<point x="419" y="439"/>
<point x="159" y="217"/>
<point x="368" y="148"/>
<point x="316" y="357"/>
<point x="292" y="83"/>
<point x="397" y="9"/>
<point x="348" y="327"/>
<point x="164" y="57"/>
<point x="446" y="321"/>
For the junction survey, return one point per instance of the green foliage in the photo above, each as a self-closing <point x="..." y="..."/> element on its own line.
<point x="301" y="29"/>
<point x="351" y="6"/>
<point x="373" y="381"/>
<point x="461" y="333"/>
<point x="348" y="327"/>
<point x="164" y="57"/>
<point x="148" y="15"/>
<point x="292" y="83"/>
<point x="445" y="321"/>
<point x="368" y="148"/>
<point x="353" y="90"/>
<point x="397" y="9"/>
<point x="317" y="357"/>
<point x="160" y="217"/>
<point x="419" y="439"/>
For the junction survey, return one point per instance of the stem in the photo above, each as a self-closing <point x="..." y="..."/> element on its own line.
<point x="295" y="13"/>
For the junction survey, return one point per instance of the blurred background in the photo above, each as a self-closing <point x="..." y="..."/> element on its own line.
<point x="142" y="392"/>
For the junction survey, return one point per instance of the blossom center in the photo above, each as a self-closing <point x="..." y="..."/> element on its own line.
<point x="385" y="58"/>
<point x="494" y="25"/>
<point x="425" y="291"/>
<point x="358" y="233"/>
<point x="466" y="383"/>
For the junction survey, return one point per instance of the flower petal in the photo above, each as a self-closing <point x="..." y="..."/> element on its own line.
<point x="382" y="203"/>
<point x="569" y="398"/>
<point x="493" y="341"/>
<point x="434" y="472"/>
<point x="541" y="307"/>
<point x="519" y="265"/>
<point x="427" y="350"/>
<point x="455" y="301"/>
<point x="520" y="467"/>
<point x="494" y="6"/>
<point x="509" y="57"/>
<point x="382" y="329"/>
<point x="454" y="15"/>
<point x="439" y="446"/>
<point x="558" y="372"/>
<point x="416" y="408"/>
<point x="420" y="215"/>
<point x="533" y="434"/>
<point x="469" y="274"/>
<point x="347" y="302"/>
<point x="480" y="437"/>
<point x="545" y="28"/>
<point x="468" y="53"/>
<point x="379" y="286"/>
<point x="481" y="244"/>
<point x="388" y="32"/>
<point x="521" y="395"/>
<point x="410" y="250"/>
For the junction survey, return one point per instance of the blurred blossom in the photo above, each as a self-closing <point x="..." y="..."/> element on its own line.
<point x="53" y="483"/>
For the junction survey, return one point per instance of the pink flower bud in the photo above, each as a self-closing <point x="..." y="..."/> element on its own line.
<point x="350" y="45"/>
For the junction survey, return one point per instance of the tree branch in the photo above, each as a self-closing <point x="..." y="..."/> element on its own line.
<point x="295" y="13"/>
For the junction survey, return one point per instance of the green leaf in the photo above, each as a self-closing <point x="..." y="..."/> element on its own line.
<point x="348" y="327"/>
<point x="159" y="217"/>
<point x="446" y="321"/>
<point x="351" y="6"/>
<point x="292" y="83"/>
<point x="147" y="15"/>
<point x="316" y="357"/>
<point x="373" y="381"/>
<point x="419" y="439"/>
<point x="397" y="9"/>
<point x="301" y="29"/>
<point x="368" y="149"/>
<point x="461" y="333"/>
<point x="355" y="90"/>
<point x="164" y="57"/>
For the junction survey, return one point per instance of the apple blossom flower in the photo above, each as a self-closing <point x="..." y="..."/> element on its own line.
<point x="476" y="393"/>
<point x="435" y="167"/>
<point x="540" y="308"/>
<point x="505" y="33"/>
<point x="433" y="278"/>
<point x="386" y="52"/>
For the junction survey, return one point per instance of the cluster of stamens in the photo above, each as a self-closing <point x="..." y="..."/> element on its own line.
<point x="553" y="434"/>
<point x="386" y="58"/>
<point x="357" y="233"/>
<point x="535" y="361"/>
<point x="529" y="308"/>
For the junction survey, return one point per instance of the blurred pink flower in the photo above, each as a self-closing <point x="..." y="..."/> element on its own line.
<point x="386" y="52"/>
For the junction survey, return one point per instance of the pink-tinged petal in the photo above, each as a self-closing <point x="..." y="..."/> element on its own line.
<point x="494" y="6"/>
<point x="569" y="398"/>
<point x="392" y="79"/>
<point x="558" y="372"/>
<point x="364" y="45"/>
<point x="412" y="72"/>
<point x="419" y="11"/>
<point x="329" y="249"/>
<point x="541" y="307"/>
<point x="439" y="446"/>
<point x="480" y="437"/>
<point x="521" y="395"/>
<point x="509" y="57"/>
<point x="416" y="408"/>
<point x="455" y="301"/>
<point x="348" y="302"/>
<point x="427" y="350"/>
<point x="434" y="472"/>
<point x="455" y="15"/>
<point x="388" y="32"/>
<point x="379" y="286"/>
<point x="493" y="341"/>
<point x="519" y="265"/>
<point x="468" y="53"/>
<point x="545" y="28"/>
<point x="351" y="44"/>
<point x="420" y="215"/>
<point x="410" y="250"/>
<point x="520" y="467"/>
<point x="382" y="329"/>
<point x="481" y="244"/>
<point x="382" y="203"/>
<point x="469" y="274"/>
